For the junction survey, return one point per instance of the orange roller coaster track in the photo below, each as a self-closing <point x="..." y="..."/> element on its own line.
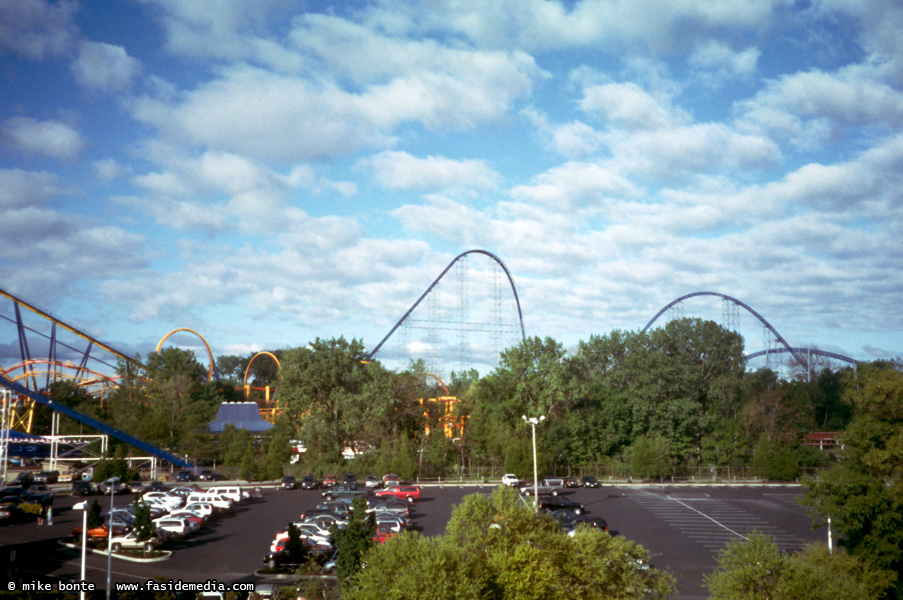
<point x="203" y="341"/>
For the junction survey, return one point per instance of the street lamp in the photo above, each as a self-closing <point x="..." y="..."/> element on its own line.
<point x="83" y="506"/>
<point x="533" y="422"/>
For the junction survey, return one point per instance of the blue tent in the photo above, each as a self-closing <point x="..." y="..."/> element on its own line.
<point x="241" y="415"/>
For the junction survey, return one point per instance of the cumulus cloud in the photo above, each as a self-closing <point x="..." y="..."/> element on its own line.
<point x="571" y="140"/>
<point x="20" y="188"/>
<point x="719" y="62"/>
<point x="627" y="105"/>
<point x="539" y="25"/>
<point x="48" y="138"/>
<point x="361" y="94"/>
<point x="577" y="184"/>
<point x="816" y="106"/>
<point x="104" y="68"/>
<point x="402" y="171"/>
<point x="37" y="28"/>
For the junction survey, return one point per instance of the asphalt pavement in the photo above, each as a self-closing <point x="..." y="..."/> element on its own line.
<point x="683" y="527"/>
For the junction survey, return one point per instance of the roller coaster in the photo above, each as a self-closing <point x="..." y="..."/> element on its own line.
<point x="796" y="353"/>
<point x="30" y="378"/>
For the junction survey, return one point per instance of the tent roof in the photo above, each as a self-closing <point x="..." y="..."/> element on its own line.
<point x="241" y="415"/>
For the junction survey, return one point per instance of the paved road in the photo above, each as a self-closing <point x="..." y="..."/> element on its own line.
<point x="683" y="527"/>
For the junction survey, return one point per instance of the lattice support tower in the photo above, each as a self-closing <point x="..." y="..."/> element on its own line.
<point x="730" y="315"/>
<point x="462" y="272"/>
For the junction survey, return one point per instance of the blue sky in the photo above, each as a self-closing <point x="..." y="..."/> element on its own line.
<point x="268" y="173"/>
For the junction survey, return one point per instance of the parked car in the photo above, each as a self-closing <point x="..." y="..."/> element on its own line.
<point x="571" y="482"/>
<point x="318" y="552"/>
<point x="338" y="491"/>
<point x="210" y="475"/>
<point x="510" y="479"/>
<point x="309" y="482"/>
<point x="408" y="493"/>
<point x="10" y="511"/>
<point x="390" y="479"/>
<point x="47" y="477"/>
<point x="383" y="533"/>
<point x="100" y="532"/>
<point x="288" y="483"/>
<point x="83" y="488"/>
<point x="550" y="503"/>
<point x="185" y="476"/>
<point x="350" y="480"/>
<point x="546" y="486"/>
<point x="372" y="482"/>
<point x="590" y="482"/>
<point x="112" y="485"/>
<point x="130" y="541"/>
<point x="329" y="481"/>
<point x="177" y="527"/>
<point x="156" y="486"/>
<point x="24" y="479"/>
<point x="597" y="522"/>
<point x="136" y="487"/>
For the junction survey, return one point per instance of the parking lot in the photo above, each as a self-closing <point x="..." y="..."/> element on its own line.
<point x="683" y="527"/>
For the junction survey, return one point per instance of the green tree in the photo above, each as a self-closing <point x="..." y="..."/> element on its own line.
<point x="495" y="548"/>
<point x="863" y="493"/>
<point x="352" y="542"/>
<point x="747" y="570"/>
<point x="817" y="574"/>
<point x="143" y="527"/>
<point x="95" y="519"/>
<point x="650" y="457"/>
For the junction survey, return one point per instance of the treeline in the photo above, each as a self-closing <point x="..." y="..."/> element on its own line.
<point x="647" y="404"/>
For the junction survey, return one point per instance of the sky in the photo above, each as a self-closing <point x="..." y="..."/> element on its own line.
<point x="267" y="173"/>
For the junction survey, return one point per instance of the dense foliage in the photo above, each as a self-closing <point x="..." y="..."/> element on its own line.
<point x="754" y="569"/>
<point x="497" y="547"/>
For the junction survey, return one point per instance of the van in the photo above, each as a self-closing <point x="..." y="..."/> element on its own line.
<point x="232" y="492"/>
<point x="218" y="502"/>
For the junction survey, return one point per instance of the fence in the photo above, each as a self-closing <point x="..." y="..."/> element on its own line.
<point x="606" y="474"/>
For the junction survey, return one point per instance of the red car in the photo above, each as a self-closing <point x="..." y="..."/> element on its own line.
<point x="408" y="493"/>
<point x="383" y="532"/>
<point x="100" y="532"/>
<point x="329" y="481"/>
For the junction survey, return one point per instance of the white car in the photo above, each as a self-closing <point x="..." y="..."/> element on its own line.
<point x="130" y="542"/>
<point x="165" y="499"/>
<point x="510" y="479"/>
<point x="173" y="526"/>
<point x="205" y="509"/>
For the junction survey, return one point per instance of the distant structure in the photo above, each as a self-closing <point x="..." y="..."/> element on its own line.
<point x="241" y="415"/>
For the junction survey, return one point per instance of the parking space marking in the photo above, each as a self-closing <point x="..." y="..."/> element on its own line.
<point x="710" y="522"/>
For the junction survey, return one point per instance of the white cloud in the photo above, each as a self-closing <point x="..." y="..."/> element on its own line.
<point x="626" y="105"/>
<point x="539" y="25"/>
<point x="26" y="188"/>
<point x="571" y="140"/>
<point x="105" y="68"/>
<point x="719" y="62"/>
<point x="109" y="168"/>
<point x="577" y="184"/>
<point x="402" y="171"/>
<point x="48" y="138"/>
<point x="819" y="106"/>
<point x="37" y="28"/>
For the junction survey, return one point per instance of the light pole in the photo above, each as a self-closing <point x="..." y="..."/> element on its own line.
<point x="83" y="506"/>
<point x="113" y="484"/>
<point x="533" y="421"/>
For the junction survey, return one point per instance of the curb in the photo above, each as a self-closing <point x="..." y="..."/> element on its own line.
<point x="167" y="554"/>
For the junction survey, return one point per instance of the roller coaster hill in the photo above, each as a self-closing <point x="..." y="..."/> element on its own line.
<point x="25" y="383"/>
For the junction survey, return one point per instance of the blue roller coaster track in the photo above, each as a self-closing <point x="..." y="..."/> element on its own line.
<point x="91" y="422"/>
<point x="795" y="352"/>
<point x="520" y="315"/>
